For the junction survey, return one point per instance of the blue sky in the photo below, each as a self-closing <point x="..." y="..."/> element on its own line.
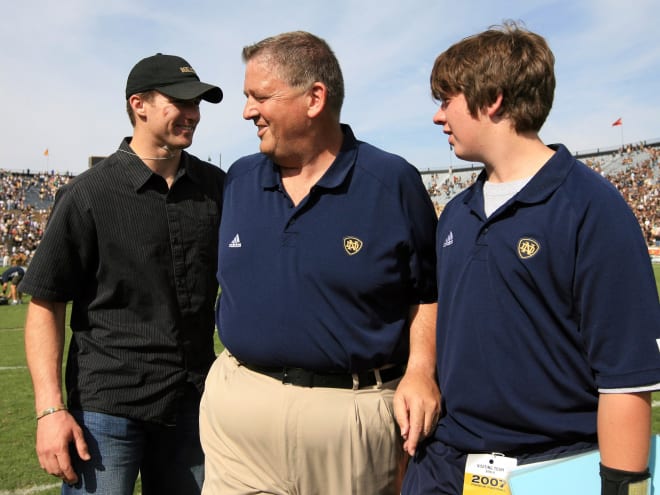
<point x="64" y="66"/>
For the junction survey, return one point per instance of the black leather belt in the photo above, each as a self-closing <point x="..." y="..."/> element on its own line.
<point x="305" y="378"/>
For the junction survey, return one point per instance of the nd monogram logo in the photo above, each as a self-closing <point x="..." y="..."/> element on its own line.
<point x="527" y="248"/>
<point x="352" y="245"/>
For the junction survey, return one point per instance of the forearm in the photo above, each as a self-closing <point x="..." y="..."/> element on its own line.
<point x="417" y="399"/>
<point x="56" y="433"/>
<point x="44" y="347"/>
<point x="422" y="357"/>
<point x="624" y="430"/>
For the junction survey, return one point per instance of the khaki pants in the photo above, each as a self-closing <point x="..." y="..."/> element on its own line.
<point x="262" y="436"/>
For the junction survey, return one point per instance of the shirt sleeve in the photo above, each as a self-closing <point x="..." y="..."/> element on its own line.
<point x="617" y="299"/>
<point x="63" y="253"/>
<point x="422" y="220"/>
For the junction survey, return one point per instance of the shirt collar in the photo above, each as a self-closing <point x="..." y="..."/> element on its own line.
<point x="540" y="187"/>
<point x="138" y="173"/>
<point x="336" y="173"/>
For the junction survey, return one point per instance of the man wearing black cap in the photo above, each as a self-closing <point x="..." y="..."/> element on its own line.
<point x="132" y="242"/>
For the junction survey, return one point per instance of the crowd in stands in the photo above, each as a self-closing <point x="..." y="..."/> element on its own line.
<point x="451" y="185"/>
<point x="633" y="169"/>
<point x="26" y="199"/>
<point x="638" y="180"/>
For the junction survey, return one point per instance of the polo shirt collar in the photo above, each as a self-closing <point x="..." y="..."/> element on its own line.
<point x="540" y="187"/>
<point x="343" y="163"/>
<point x="549" y="177"/>
<point x="334" y="176"/>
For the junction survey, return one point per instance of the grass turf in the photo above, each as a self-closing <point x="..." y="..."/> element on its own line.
<point x="19" y="467"/>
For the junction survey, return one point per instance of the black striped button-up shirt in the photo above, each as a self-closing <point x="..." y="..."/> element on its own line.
<point x="138" y="260"/>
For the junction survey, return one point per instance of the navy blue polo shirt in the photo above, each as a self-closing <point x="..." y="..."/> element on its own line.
<point x="326" y="285"/>
<point x="541" y="305"/>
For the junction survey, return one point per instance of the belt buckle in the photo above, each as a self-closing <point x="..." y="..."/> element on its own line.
<point x="379" y="380"/>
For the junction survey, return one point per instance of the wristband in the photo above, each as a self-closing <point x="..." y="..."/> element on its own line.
<point x="51" y="410"/>
<point x="618" y="482"/>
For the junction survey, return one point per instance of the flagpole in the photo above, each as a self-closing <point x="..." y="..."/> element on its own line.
<point x="619" y="122"/>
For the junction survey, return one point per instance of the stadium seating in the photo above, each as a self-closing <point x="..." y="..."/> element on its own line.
<point x="26" y="198"/>
<point x="25" y="201"/>
<point x="634" y="170"/>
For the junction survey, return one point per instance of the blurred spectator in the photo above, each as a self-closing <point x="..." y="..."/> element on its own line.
<point x="10" y="279"/>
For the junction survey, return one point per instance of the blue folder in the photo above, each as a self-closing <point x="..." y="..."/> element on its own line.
<point x="574" y="475"/>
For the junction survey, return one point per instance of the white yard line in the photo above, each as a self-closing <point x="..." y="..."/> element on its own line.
<point x="28" y="491"/>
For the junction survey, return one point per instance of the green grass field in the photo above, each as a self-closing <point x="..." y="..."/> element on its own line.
<point x="19" y="468"/>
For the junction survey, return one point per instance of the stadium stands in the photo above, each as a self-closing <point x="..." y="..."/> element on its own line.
<point x="26" y="199"/>
<point x="637" y="177"/>
<point x="633" y="169"/>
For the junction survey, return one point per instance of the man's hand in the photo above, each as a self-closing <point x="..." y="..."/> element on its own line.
<point x="54" y="434"/>
<point x="416" y="408"/>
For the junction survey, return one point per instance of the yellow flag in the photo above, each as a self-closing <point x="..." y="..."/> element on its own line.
<point x="46" y="152"/>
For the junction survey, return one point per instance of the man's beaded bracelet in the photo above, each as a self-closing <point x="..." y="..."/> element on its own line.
<point x="51" y="410"/>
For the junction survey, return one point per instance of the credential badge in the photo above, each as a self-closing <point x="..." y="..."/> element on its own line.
<point x="352" y="245"/>
<point x="527" y="248"/>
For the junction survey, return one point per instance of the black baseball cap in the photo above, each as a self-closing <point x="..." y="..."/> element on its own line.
<point x="172" y="76"/>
